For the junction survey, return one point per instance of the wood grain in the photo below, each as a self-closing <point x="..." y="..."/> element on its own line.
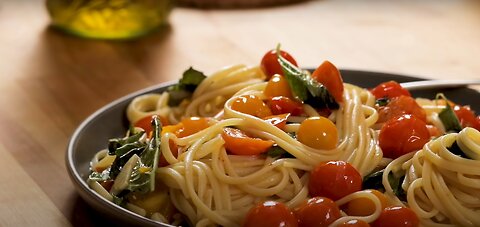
<point x="50" y="81"/>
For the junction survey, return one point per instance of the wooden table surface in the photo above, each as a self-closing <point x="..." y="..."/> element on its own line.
<point x="50" y="82"/>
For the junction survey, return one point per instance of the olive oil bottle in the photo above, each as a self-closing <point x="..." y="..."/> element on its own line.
<point x="109" y="19"/>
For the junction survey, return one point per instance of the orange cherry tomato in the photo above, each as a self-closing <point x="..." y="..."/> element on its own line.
<point x="277" y="86"/>
<point x="270" y="213"/>
<point x="363" y="206"/>
<point x="403" y="134"/>
<point x="317" y="211"/>
<point x="251" y="104"/>
<point x="330" y="77"/>
<point x="318" y="133"/>
<point x="146" y="123"/>
<point x="282" y="105"/>
<point x="162" y="162"/>
<point x="466" y="117"/>
<point x="389" y="90"/>
<point x="401" y="105"/>
<point x="396" y="216"/>
<point x="237" y="142"/>
<point x="280" y="121"/>
<point x="193" y="125"/>
<point x="334" y="180"/>
<point x="270" y="65"/>
<point x="354" y="223"/>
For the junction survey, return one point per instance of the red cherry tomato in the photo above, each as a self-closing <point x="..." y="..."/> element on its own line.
<point x="389" y="90"/>
<point x="239" y="143"/>
<point x="270" y="213"/>
<point x="328" y="75"/>
<point x="466" y="117"/>
<point x="270" y="65"/>
<point x="403" y="134"/>
<point x="283" y="105"/>
<point x="334" y="180"/>
<point x="146" y="123"/>
<point x="396" y="216"/>
<point x="162" y="162"/>
<point x="317" y="211"/>
<point x="401" y="105"/>
<point x="280" y="121"/>
<point x="354" y="223"/>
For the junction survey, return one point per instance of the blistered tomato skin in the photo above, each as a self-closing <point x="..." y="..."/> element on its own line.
<point x="317" y="211"/>
<point x="396" y="216"/>
<point x="318" y="133"/>
<point x="252" y="105"/>
<point x="389" y="90"/>
<point x="270" y="213"/>
<point x="401" y="135"/>
<point x="270" y="65"/>
<point x="334" y="180"/>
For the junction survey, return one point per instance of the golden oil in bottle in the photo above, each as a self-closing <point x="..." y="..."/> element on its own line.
<point x="109" y="19"/>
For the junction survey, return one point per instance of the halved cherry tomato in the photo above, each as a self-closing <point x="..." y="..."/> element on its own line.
<point x="317" y="211"/>
<point x="162" y="162"/>
<point x="334" y="180"/>
<point x="403" y="134"/>
<point x="363" y="206"/>
<point x="270" y="65"/>
<point x="239" y="143"/>
<point x="251" y="104"/>
<point x="466" y="116"/>
<point x="318" y="133"/>
<point x="280" y="121"/>
<point x="389" y="90"/>
<point x="193" y="125"/>
<point x="146" y="123"/>
<point x="282" y="105"/>
<point x="401" y="105"/>
<point x="330" y="77"/>
<point x="396" y="216"/>
<point x="354" y="223"/>
<point x="277" y="86"/>
<point x="270" y="213"/>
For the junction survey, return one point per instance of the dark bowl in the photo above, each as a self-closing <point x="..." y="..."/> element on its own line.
<point x="110" y="121"/>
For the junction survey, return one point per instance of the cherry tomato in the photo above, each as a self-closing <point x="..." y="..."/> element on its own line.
<point x="434" y="131"/>
<point x="401" y="105"/>
<point x="251" y="104"/>
<point x="193" y="125"/>
<point x="270" y="213"/>
<point x="162" y="162"/>
<point x="329" y="76"/>
<point x="354" y="223"/>
<point x="396" y="216"/>
<point x="389" y="90"/>
<point x="277" y="86"/>
<point x="334" y="180"/>
<point x="403" y="134"/>
<point x="363" y="206"/>
<point x="237" y="142"/>
<point x="146" y="123"/>
<point x="317" y="211"/>
<point x="282" y="105"/>
<point x="270" y="65"/>
<point x="318" y="133"/>
<point x="466" y="117"/>
<point x="280" y="121"/>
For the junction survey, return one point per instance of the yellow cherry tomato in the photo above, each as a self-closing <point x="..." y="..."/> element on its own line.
<point x="318" y="133"/>
<point x="251" y="104"/>
<point x="363" y="206"/>
<point x="277" y="86"/>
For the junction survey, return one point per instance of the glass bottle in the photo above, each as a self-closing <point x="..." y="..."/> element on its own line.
<point x="109" y="19"/>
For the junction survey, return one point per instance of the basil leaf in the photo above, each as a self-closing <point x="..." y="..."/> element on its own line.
<point x="114" y="144"/>
<point x="277" y="151"/>
<point x="304" y="87"/>
<point x="448" y="117"/>
<point x="373" y="181"/>
<point x="382" y="101"/>
<point x="456" y="150"/>
<point x="190" y="80"/>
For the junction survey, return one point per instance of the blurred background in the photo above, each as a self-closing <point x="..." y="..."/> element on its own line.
<point x="53" y="74"/>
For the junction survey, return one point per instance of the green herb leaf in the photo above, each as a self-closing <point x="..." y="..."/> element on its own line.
<point x="448" y="117"/>
<point x="373" y="181"/>
<point x="304" y="87"/>
<point x="190" y="80"/>
<point x="382" y="101"/>
<point x="456" y="150"/>
<point x="277" y="151"/>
